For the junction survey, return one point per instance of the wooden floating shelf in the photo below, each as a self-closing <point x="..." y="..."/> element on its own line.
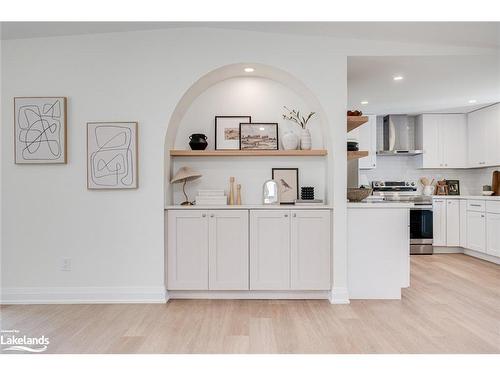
<point x="354" y="121"/>
<point x="217" y="153"/>
<point x="351" y="155"/>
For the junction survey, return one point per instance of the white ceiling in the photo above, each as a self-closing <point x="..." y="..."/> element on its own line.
<point x="467" y="34"/>
<point x="430" y="84"/>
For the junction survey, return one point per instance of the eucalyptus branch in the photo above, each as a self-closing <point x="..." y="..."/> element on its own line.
<point x="295" y="116"/>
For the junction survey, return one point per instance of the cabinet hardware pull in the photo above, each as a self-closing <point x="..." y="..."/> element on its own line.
<point x="286" y="215"/>
<point x="294" y="215"/>
<point x="475" y="205"/>
<point x="212" y="215"/>
<point x="203" y="215"/>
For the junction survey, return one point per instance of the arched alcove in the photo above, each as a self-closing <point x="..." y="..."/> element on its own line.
<point x="221" y="76"/>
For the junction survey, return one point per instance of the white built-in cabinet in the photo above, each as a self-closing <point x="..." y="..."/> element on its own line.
<point x="366" y="135"/>
<point x="443" y="138"/>
<point x="493" y="234"/>
<point x="484" y="137"/>
<point x="232" y="249"/>
<point x="452" y="222"/>
<point x="463" y="223"/>
<point x="439" y="222"/>
<point x="476" y="231"/>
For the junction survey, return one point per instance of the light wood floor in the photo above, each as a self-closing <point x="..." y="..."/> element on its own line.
<point x="453" y="306"/>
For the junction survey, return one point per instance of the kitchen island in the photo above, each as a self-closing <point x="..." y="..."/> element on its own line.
<point x="378" y="249"/>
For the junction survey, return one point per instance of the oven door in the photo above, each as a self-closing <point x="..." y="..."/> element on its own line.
<point x="421" y="230"/>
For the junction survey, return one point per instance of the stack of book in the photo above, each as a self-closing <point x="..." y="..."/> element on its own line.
<point x="211" y="198"/>
<point x="306" y="202"/>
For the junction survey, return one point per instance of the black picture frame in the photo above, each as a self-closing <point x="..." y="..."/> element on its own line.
<point x="273" y="173"/>
<point x="453" y="187"/>
<point x="241" y="118"/>
<point x="256" y="124"/>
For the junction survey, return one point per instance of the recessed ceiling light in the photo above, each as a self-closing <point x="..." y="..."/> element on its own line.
<point x="364" y="102"/>
<point x="249" y="70"/>
<point x="472" y="101"/>
<point x="397" y="78"/>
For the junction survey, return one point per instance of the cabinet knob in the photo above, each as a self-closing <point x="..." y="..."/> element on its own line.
<point x="294" y="215"/>
<point x="286" y="215"/>
<point x="203" y="215"/>
<point x="212" y="215"/>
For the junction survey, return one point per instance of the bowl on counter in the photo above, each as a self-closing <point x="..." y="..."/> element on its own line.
<point x="488" y="193"/>
<point x="358" y="194"/>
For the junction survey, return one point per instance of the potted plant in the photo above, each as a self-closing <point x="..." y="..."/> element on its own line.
<point x="295" y="116"/>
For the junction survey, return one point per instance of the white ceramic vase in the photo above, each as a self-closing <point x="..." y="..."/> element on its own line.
<point x="305" y="139"/>
<point x="428" y="190"/>
<point x="290" y="140"/>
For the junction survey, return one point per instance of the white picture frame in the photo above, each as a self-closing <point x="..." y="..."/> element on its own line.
<point x="227" y="131"/>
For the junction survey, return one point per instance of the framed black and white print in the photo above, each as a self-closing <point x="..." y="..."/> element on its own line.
<point x="40" y="130"/>
<point x="288" y="184"/>
<point x="227" y="131"/>
<point x="259" y="136"/>
<point x="112" y="155"/>
<point x="453" y="187"/>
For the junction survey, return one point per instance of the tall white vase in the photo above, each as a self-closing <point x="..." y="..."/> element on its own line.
<point x="290" y="140"/>
<point x="305" y="139"/>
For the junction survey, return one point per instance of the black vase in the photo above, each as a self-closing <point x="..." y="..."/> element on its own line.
<point x="198" y="141"/>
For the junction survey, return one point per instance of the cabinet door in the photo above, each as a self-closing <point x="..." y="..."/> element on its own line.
<point x="476" y="231"/>
<point x="463" y="223"/>
<point x="492" y="130"/>
<point x="310" y="250"/>
<point x="431" y="143"/>
<point x="493" y="234"/>
<point x="228" y="249"/>
<point x="439" y="222"/>
<point x="367" y="138"/>
<point x="187" y="250"/>
<point x="477" y="137"/>
<point x="452" y="222"/>
<point x="270" y="250"/>
<point x="453" y="137"/>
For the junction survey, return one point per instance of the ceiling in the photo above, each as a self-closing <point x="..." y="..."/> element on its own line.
<point x="429" y="84"/>
<point x="467" y="34"/>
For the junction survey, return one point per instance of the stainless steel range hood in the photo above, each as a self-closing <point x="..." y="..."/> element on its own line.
<point x="399" y="136"/>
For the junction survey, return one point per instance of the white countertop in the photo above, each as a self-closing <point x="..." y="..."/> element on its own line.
<point x="383" y="204"/>
<point x="477" y="197"/>
<point x="252" y="207"/>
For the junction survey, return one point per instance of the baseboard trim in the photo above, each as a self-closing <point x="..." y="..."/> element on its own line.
<point x="482" y="256"/>
<point x="447" y="250"/>
<point x="248" y="294"/>
<point x="339" y="296"/>
<point x="79" y="295"/>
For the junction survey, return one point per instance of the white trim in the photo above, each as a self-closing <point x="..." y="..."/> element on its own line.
<point x="76" y="295"/>
<point x="447" y="250"/>
<point x="487" y="257"/>
<point x="248" y="294"/>
<point x="339" y="296"/>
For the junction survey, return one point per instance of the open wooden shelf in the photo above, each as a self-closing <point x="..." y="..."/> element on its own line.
<point x="354" y="121"/>
<point x="216" y="153"/>
<point x="351" y="155"/>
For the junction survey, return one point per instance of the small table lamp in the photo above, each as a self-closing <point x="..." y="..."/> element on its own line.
<point x="185" y="174"/>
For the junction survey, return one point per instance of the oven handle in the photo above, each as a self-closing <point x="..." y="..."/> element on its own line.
<point x="421" y="208"/>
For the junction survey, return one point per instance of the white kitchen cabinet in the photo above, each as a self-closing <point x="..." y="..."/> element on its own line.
<point x="270" y="250"/>
<point x="476" y="231"/>
<point x="443" y="138"/>
<point x="187" y="250"/>
<point x="367" y="138"/>
<point x="452" y="222"/>
<point x="463" y="223"/>
<point x="228" y="249"/>
<point x="310" y="250"/>
<point x="439" y="222"/>
<point x="493" y="234"/>
<point x="483" y="130"/>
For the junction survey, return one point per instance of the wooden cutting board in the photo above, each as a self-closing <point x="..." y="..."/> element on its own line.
<point x="495" y="183"/>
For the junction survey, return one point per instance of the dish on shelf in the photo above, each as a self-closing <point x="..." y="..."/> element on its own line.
<point x="358" y="194"/>
<point x="488" y="193"/>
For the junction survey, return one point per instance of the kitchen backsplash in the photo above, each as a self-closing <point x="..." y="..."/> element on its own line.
<point x="397" y="168"/>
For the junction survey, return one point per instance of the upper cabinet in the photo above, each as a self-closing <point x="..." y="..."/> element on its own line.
<point x="483" y="127"/>
<point x="366" y="135"/>
<point x="443" y="138"/>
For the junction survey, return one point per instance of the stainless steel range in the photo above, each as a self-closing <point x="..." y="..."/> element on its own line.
<point x="420" y="214"/>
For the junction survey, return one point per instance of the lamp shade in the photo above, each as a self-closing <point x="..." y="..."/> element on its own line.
<point x="185" y="174"/>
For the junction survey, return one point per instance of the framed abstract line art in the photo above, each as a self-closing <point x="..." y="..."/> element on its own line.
<point x="227" y="131"/>
<point x="112" y="155"/>
<point x="40" y="130"/>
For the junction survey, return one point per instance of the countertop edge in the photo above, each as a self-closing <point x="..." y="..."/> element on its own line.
<point x="251" y="207"/>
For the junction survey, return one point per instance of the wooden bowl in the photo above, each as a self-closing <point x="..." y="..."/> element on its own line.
<point x="357" y="195"/>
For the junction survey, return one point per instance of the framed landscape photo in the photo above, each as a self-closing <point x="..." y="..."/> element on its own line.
<point x="288" y="184"/>
<point x="259" y="136"/>
<point x="112" y="155"/>
<point x="227" y="131"/>
<point x="40" y="130"/>
<point x="453" y="187"/>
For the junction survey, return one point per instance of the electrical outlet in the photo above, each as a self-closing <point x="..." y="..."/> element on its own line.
<point x="66" y="264"/>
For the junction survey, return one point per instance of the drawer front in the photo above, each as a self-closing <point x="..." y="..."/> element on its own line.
<point x="473" y="205"/>
<point x="493" y="207"/>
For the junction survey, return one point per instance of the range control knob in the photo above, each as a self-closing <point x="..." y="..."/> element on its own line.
<point x="413" y="183"/>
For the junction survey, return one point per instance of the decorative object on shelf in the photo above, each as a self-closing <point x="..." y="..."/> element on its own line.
<point x="352" y="146"/>
<point x="288" y="182"/>
<point x="112" y="155"/>
<point x="358" y="194"/>
<point x="354" y="113"/>
<point x="290" y="140"/>
<point x="238" y="194"/>
<point x="231" y="191"/>
<point x="495" y="183"/>
<point x="307" y="192"/>
<point x="427" y="185"/>
<point x="227" y="131"/>
<point x="453" y="187"/>
<point x="487" y="190"/>
<point x="185" y="174"/>
<point x="211" y="197"/>
<point x="40" y="130"/>
<point x="259" y="136"/>
<point x="441" y="188"/>
<point x="305" y="135"/>
<point x="198" y="141"/>
<point x="270" y="192"/>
